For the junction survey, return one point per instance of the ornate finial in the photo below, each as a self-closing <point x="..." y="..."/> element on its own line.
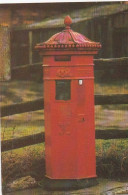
<point x="67" y="21"/>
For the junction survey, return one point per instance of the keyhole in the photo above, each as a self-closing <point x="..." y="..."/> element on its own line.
<point x="83" y="119"/>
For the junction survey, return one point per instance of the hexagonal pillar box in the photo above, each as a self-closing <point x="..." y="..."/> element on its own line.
<point x="69" y="105"/>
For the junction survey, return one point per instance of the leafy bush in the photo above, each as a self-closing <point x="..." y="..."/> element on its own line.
<point x="112" y="162"/>
<point x="15" y="165"/>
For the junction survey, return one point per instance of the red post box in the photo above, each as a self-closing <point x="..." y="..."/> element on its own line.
<point x="69" y="104"/>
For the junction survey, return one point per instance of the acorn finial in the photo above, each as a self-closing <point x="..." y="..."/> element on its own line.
<point x="67" y="21"/>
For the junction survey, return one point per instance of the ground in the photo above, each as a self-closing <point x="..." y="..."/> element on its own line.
<point x="104" y="187"/>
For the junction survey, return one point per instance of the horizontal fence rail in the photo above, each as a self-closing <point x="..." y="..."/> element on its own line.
<point x="29" y="71"/>
<point x="22" y="142"/>
<point x="38" y="104"/>
<point x="22" y="107"/>
<point x="40" y="138"/>
<point x="111" y="63"/>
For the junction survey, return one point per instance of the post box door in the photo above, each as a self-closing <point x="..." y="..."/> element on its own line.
<point x="85" y="127"/>
<point x="82" y="127"/>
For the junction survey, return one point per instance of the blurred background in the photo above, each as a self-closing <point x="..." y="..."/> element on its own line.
<point x="23" y="26"/>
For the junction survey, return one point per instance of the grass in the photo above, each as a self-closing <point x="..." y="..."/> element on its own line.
<point x="112" y="155"/>
<point x="22" y="124"/>
<point x="115" y="87"/>
<point x="20" y="91"/>
<point x="112" y="158"/>
<point x="111" y="117"/>
<point x="103" y="146"/>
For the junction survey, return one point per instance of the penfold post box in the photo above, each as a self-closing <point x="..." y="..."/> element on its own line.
<point x="69" y="104"/>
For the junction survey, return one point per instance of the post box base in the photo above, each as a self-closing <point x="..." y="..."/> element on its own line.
<point x="69" y="184"/>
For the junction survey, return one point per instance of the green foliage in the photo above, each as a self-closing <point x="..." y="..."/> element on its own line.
<point x="29" y="161"/>
<point x="112" y="158"/>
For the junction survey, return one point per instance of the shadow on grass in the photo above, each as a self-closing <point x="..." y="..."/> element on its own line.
<point x="19" y="91"/>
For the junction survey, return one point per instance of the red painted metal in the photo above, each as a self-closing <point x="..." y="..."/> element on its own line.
<point x="69" y="124"/>
<point x="68" y="39"/>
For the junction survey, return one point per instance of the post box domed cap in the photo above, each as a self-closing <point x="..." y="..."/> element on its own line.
<point x="68" y="39"/>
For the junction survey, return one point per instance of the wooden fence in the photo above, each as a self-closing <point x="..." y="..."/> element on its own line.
<point x="29" y="71"/>
<point x="38" y="104"/>
<point x="40" y="138"/>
